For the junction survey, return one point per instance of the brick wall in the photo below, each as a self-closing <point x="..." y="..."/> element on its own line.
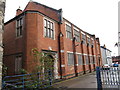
<point x="33" y="37"/>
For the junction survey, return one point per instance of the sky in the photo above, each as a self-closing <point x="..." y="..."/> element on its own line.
<point x="99" y="17"/>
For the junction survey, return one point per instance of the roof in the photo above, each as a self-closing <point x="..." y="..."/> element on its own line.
<point x="105" y="48"/>
<point x="43" y="9"/>
<point x="44" y="5"/>
<point x="92" y="35"/>
<point x="33" y="6"/>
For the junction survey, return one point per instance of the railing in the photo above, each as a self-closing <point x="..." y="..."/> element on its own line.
<point x="35" y="80"/>
<point x="108" y="77"/>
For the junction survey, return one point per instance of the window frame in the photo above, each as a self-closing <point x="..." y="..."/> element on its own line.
<point x="19" y="27"/>
<point x="86" y="60"/>
<point x="92" y="41"/>
<point x="70" y="61"/>
<point x="77" y="34"/>
<point x="68" y="32"/>
<point x="18" y="63"/>
<point x="88" y="40"/>
<point x="80" y="61"/>
<point x="49" y="28"/>
<point x="83" y="36"/>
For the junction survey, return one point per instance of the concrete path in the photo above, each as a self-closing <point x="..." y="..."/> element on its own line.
<point x="84" y="81"/>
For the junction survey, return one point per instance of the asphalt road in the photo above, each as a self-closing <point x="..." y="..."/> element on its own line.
<point x="84" y="81"/>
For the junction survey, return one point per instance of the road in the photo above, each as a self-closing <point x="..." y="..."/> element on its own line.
<point x="84" y="81"/>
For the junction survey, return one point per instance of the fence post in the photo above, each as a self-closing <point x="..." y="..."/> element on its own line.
<point x="3" y="83"/>
<point x="99" y="82"/>
<point x="23" y="82"/>
<point x="50" y="77"/>
<point x="119" y="77"/>
<point x="38" y="84"/>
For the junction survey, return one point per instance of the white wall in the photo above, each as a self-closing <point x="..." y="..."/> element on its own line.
<point x="103" y="56"/>
<point x="106" y="56"/>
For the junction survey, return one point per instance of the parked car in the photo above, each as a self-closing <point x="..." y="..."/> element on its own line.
<point x="115" y="65"/>
<point x="106" y="67"/>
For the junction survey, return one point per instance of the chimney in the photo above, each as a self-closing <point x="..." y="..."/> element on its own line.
<point x="18" y="11"/>
<point x="97" y="39"/>
<point x="104" y="46"/>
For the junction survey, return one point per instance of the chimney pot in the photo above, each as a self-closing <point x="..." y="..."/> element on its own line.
<point x="18" y="11"/>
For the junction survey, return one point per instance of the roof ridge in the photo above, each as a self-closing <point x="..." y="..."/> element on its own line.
<point x="44" y="5"/>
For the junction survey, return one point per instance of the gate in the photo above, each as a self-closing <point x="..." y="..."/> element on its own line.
<point x="25" y="81"/>
<point x="108" y="78"/>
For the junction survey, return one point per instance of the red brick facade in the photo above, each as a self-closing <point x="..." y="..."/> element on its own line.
<point x="33" y="36"/>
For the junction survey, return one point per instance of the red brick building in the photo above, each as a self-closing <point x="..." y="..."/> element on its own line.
<point x="38" y="26"/>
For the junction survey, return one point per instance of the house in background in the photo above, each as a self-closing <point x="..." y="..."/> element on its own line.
<point x="116" y="59"/>
<point x="38" y="26"/>
<point x="106" y="55"/>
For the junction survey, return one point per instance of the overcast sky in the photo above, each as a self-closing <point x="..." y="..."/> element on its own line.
<point x="99" y="17"/>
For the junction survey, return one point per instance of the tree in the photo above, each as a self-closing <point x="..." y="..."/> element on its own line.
<point x="44" y="68"/>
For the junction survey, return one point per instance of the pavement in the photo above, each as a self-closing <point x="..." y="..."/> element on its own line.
<point x="84" y="81"/>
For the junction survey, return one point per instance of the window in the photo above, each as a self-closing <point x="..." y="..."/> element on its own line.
<point x="18" y="64"/>
<point x="70" y="59"/>
<point x="80" y="62"/>
<point x="94" y="60"/>
<point x="48" y="29"/>
<point x="88" y="40"/>
<point x="93" y="42"/>
<point x="77" y="35"/>
<point x="84" y="39"/>
<point x="87" y="60"/>
<point x="68" y="31"/>
<point x="91" y="60"/>
<point x="19" y="27"/>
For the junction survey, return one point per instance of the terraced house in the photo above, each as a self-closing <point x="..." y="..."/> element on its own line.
<point x="38" y="26"/>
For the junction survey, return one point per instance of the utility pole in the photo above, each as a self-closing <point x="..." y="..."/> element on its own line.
<point x="118" y="44"/>
<point x="2" y="11"/>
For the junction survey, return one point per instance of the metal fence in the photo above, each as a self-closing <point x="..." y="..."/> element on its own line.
<point x="35" y="80"/>
<point x="108" y="78"/>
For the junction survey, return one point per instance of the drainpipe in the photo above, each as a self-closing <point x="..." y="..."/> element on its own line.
<point x="74" y="53"/>
<point x="83" y="58"/>
<point x="59" y="42"/>
<point x="89" y="58"/>
<point x="93" y="57"/>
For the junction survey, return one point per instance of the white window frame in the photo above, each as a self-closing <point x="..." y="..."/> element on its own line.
<point x="72" y="61"/>
<point x="88" y="40"/>
<point x="81" y="60"/>
<point x="75" y="29"/>
<point x="44" y="32"/>
<point x="87" y="59"/>
<point x="68" y="24"/>
<point x="82" y="37"/>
